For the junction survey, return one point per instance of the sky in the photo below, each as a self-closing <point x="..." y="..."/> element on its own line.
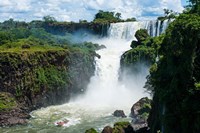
<point x="74" y="10"/>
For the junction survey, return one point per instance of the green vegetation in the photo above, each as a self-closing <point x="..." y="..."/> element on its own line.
<point x="194" y="6"/>
<point x="144" y="111"/>
<point x="168" y="14"/>
<point x="130" y="20"/>
<point x="145" y="50"/>
<point x="39" y="68"/>
<point x="122" y="127"/>
<point x="92" y="130"/>
<point x="141" y="35"/>
<point x="105" y="17"/>
<point x="139" y="54"/>
<point x="49" y="19"/>
<point x="174" y="79"/>
<point x="7" y="101"/>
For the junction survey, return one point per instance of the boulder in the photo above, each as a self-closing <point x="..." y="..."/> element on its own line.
<point x="123" y="127"/>
<point x="140" y="107"/>
<point x="140" y="112"/>
<point x="107" y="129"/>
<point x="119" y="127"/>
<point x="119" y="113"/>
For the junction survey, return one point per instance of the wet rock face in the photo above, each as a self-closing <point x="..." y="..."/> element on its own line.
<point x="140" y="112"/>
<point x="10" y="111"/>
<point x="140" y="107"/>
<point x="13" y="117"/>
<point x="119" y="113"/>
<point x="31" y="80"/>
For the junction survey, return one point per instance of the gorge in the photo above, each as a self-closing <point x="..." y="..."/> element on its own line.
<point x="105" y="93"/>
<point x="97" y="76"/>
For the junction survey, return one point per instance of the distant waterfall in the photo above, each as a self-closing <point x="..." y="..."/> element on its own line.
<point x="126" y="30"/>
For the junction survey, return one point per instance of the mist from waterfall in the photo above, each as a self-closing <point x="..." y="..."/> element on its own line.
<point x="104" y="89"/>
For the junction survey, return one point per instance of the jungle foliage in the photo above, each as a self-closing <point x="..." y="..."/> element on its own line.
<point x="174" y="79"/>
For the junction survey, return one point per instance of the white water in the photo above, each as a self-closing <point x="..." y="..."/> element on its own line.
<point x="104" y="89"/>
<point x="127" y="30"/>
<point x="104" y="93"/>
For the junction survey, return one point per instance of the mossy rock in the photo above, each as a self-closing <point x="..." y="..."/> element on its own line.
<point x="141" y="35"/>
<point x="141" y="54"/>
<point x="7" y="101"/>
<point x="123" y="127"/>
<point x="134" y="44"/>
<point x="91" y="130"/>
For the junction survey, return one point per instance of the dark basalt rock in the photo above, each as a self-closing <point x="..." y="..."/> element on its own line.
<point x="119" y="113"/>
<point x="143" y="130"/>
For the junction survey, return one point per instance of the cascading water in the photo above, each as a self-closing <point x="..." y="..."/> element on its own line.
<point x="127" y="30"/>
<point x="104" y="93"/>
<point x="104" y="89"/>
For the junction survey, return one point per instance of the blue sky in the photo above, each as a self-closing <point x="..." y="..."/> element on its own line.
<point x="73" y="10"/>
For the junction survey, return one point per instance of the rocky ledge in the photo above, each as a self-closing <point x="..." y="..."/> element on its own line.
<point x="10" y="111"/>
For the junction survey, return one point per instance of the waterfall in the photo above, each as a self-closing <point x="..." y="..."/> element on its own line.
<point x="104" y="87"/>
<point x="105" y="93"/>
<point x="126" y="30"/>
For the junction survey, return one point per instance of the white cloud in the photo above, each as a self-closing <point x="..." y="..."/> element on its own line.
<point x="73" y="10"/>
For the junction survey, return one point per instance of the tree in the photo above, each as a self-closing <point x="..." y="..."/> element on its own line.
<point x="168" y="14"/>
<point x="106" y="17"/>
<point x="195" y="6"/>
<point x="167" y="11"/>
<point x="118" y="15"/>
<point x="130" y="19"/>
<point x="49" y="19"/>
